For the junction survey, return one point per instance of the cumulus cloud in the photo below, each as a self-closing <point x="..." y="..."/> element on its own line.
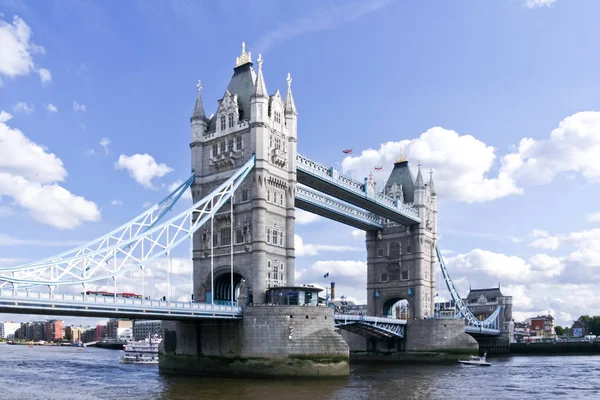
<point x="116" y="203"/>
<point x="142" y="168"/>
<point x="51" y="108"/>
<point x="595" y="217"/>
<point x="4" y="116"/>
<point x="17" y="50"/>
<point x="30" y="176"/>
<point x="544" y="240"/>
<point x="45" y="76"/>
<point x="462" y="164"/>
<point x="303" y="249"/>
<point x="538" y="3"/>
<point x="305" y="217"/>
<point x="6" y="211"/>
<point x="349" y="276"/>
<point x="357" y="233"/>
<point x="22" y="107"/>
<point x="79" y="107"/>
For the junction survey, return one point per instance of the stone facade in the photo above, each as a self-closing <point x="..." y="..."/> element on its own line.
<point x="247" y="122"/>
<point x="401" y="260"/>
<point x="269" y="341"/>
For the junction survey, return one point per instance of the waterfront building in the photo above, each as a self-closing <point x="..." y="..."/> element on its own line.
<point x="445" y="309"/>
<point x="74" y="333"/>
<point x="8" y="329"/>
<point x="145" y="329"/>
<point x="483" y="303"/>
<point x="116" y="327"/>
<point x="54" y="330"/>
<point x="542" y="325"/>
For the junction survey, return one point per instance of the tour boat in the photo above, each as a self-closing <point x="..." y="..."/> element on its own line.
<point x="476" y="360"/>
<point x="141" y="352"/>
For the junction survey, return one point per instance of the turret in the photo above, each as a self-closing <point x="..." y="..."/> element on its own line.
<point x="291" y="115"/>
<point x="198" y="119"/>
<point x="259" y="101"/>
<point x="419" y="188"/>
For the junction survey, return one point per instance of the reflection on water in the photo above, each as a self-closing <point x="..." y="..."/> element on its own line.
<point x="63" y="372"/>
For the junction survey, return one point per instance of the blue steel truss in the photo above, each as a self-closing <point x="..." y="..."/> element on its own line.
<point x="376" y="327"/>
<point x="319" y="203"/>
<point x="489" y="326"/>
<point x="139" y="243"/>
<point x="328" y="180"/>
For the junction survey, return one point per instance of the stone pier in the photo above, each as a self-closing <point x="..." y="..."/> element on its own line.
<point x="270" y="341"/>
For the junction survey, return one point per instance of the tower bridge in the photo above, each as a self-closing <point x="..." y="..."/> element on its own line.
<point x="247" y="182"/>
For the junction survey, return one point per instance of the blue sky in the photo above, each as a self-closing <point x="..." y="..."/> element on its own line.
<point x="500" y="98"/>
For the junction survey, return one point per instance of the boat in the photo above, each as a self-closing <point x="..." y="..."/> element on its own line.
<point x="476" y="360"/>
<point x="141" y="351"/>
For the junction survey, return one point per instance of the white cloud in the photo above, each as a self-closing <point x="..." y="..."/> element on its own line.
<point x="357" y="233"/>
<point x="187" y="195"/>
<point x="142" y="168"/>
<point x="29" y="175"/>
<point x="314" y="249"/>
<point x="89" y="153"/>
<point x="544" y="240"/>
<point x="116" y="203"/>
<point x="51" y="108"/>
<point x="515" y="239"/>
<point x="461" y="162"/>
<point x="595" y="217"/>
<point x="146" y="204"/>
<point x="79" y="107"/>
<point x="305" y="217"/>
<point x="574" y="146"/>
<point x="10" y="241"/>
<point x="16" y="52"/>
<point x="326" y="17"/>
<point x="4" y="116"/>
<point x="45" y="76"/>
<point x="538" y="3"/>
<point x="104" y="142"/>
<point x="22" y="107"/>
<point x="349" y="276"/>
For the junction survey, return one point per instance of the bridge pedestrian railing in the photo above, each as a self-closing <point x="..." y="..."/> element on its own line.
<point x="332" y="176"/>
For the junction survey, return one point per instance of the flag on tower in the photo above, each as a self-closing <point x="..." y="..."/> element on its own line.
<point x="347" y="151"/>
<point x="326" y="275"/>
<point x="378" y="168"/>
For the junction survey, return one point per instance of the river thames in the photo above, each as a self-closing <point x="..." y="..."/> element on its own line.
<point x="64" y="373"/>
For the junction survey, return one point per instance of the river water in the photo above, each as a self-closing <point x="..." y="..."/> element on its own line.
<point x="59" y="373"/>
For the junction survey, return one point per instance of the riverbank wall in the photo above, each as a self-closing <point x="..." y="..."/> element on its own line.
<point x="555" y="348"/>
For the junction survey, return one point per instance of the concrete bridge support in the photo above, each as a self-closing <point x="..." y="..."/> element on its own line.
<point x="429" y="340"/>
<point x="269" y="341"/>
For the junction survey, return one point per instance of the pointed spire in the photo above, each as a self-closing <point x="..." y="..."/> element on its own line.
<point x="419" y="182"/>
<point x="260" y="89"/>
<point x="199" y="107"/>
<point x="290" y="106"/>
<point x="431" y="186"/>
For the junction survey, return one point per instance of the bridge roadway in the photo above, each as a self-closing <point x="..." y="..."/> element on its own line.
<point x="330" y="182"/>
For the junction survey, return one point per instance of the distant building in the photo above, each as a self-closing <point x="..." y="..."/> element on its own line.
<point x="144" y="329"/>
<point x="74" y="333"/>
<point x="8" y="329"/>
<point x="54" y="330"/>
<point x="116" y="327"/>
<point x="35" y="331"/>
<point x="343" y="306"/>
<point x="89" y="335"/>
<point x="542" y="325"/>
<point x="445" y="309"/>
<point x="483" y="303"/>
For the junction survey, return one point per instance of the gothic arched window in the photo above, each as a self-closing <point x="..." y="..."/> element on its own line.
<point x="230" y="116"/>
<point x="223" y="126"/>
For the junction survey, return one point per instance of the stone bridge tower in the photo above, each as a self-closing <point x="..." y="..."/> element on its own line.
<point x="247" y="121"/>
<point x="401" y="260"/>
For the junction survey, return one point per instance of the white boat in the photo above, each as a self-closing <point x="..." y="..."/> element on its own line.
<point x="141" y="352"/>
<point x="476" y="360"/>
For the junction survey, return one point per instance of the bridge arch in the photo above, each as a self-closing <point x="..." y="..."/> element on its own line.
<point x="222" y="285"/>
<point x="398" y="307"/>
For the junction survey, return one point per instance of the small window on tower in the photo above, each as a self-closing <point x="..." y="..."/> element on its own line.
<point x="268" y="264"/>
<point x="268" y="195"/>
<point x="230" y="120"/>
<point x="215" y="150"/>
<point x="222" y="147"/>
<point x="274" y="237"/>
<point x="239" y="236"/>
<point x="223" y="123"/>
<point x="238" y="143"/>
<point x="244" y="194"/>
<point x="230" y="145"/>
<point x="268" y="235"/>
<point x="281" y="238"/>
<point x="281" y="199"/>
